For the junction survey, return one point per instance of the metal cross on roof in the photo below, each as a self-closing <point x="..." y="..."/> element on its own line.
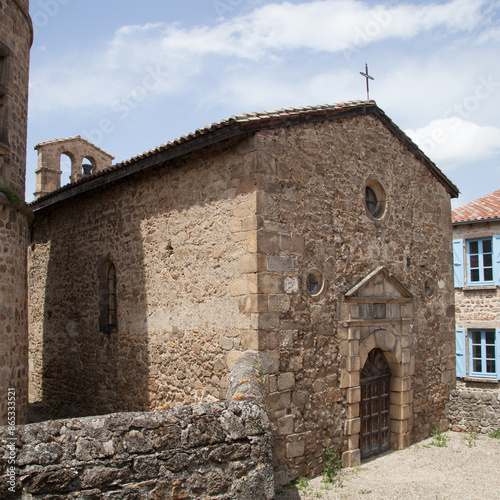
<point x="368" y="77"/>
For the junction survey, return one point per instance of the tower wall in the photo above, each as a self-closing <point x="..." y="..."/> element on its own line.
<point x="16" y="34"/>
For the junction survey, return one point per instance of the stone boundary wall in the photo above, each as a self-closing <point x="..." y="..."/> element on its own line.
<point x="474" y="407"/>
<point x="220" y="450"/>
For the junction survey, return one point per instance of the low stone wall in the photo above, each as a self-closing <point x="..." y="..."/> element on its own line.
<point x="220" y="450"/>
<point x="474" y="405"/>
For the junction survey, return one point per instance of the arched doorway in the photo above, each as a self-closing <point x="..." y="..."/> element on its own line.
<point x="375" y="434"/>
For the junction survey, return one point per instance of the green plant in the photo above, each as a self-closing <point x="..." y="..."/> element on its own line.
<point x="332" y="466"/>
<point x="365" y="492"/>
<point x="302" y="484"/>
<point x="471" y="436"/>
<point x="17" y="202"/>
<point x="11" y="195"/>
<point x="438" y="438"/>
<point x="495" y="434"/>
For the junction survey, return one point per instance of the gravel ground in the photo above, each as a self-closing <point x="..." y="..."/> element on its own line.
<point x="456" y="471"/>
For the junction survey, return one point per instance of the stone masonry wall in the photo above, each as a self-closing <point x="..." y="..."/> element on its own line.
<point x="475" y="403"/>
<point x="171" y="234"/>
<point x="475" y="406"/>
<point x="15" y="41"/>
<point x="214" y="450"/>
<point x="311" y="215"/>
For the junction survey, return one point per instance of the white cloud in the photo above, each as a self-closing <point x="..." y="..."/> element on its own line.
<point x="174" y="54"/>
<point x="453" y="141"/>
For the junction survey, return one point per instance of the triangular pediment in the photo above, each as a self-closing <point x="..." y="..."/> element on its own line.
<point x="379" y="285"/>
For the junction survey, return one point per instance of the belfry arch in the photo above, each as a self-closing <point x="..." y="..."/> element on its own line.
<point x="377" y="316"/>
<point x="86" y="159"/>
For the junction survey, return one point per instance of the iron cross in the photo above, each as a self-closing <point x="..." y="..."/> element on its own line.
<point x="368" y="77"/>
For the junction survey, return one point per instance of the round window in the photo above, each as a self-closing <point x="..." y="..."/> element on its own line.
<point x="314" y="282"/>
<point x="375" y="199"/>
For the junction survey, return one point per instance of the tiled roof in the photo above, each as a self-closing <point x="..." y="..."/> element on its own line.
<point x="236" y="125"/>
<point x="484" y="208"/>
<point x="260" y="119"/>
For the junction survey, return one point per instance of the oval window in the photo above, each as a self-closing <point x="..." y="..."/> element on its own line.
<point x="375" y="200"/>
<point x="314" y="282"/>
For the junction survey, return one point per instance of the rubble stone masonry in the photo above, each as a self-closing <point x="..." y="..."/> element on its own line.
<point x="220" y="450"/>
<point x="15" y="41"/>
<point x="476" y="403"/>
<point x="212" y="251"/>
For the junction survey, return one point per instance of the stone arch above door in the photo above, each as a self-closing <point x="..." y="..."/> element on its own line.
<point x="377" y="314"/>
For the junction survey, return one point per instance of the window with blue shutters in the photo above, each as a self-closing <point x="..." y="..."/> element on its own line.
<point x="483" y="353"/>
<point x="481" y="264"/>
<point x="483" y="346"/>
<point x="480" y="261"/>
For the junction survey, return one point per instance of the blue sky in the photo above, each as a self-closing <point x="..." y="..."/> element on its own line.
<point x="131" y="75"/>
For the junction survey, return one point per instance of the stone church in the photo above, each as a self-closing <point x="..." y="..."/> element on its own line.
<point x="318" y="236"/>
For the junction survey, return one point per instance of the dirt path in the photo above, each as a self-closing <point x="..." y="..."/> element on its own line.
<point x="456" y="471"/>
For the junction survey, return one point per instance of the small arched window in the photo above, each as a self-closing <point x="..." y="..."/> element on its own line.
<point x="108" y="319"/>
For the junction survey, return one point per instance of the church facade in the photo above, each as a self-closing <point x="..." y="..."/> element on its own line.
<point x="318" y="236"/>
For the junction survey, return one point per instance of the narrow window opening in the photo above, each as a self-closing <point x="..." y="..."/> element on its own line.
<point x="108" y="303"/>
<point x="112" y="296"/>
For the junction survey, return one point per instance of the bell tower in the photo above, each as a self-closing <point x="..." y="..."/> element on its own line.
<point x="16" y="37"/>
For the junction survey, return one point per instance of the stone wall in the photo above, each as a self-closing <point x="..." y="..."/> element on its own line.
<point x="475" y="405"/>
<point x="477" y="306"/>
<point x="216" y="450"/>
<point x="16" y="34"/>
<point x="311" y="215"/>
<point x="170" y="234"/>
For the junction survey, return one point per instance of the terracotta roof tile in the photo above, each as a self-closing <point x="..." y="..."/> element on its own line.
<point x="253" y="121"/>
<point x="484" y="208"/>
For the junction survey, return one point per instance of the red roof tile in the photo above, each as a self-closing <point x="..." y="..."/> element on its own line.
<point x="484" y="208"/>
<point x="251" y="122"/>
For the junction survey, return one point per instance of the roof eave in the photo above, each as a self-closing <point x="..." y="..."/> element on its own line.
<point x="134" y="167"/>
<point x="418" y="153"/>
<point x="475" y="221"/>
<point x="234" y="129"/>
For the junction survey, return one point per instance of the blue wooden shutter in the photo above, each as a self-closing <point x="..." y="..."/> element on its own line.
<point x="496" y="259"/>
<point x="458" y="263"/>
<point x="460" y="352"/>
<point x="497" y="349"/>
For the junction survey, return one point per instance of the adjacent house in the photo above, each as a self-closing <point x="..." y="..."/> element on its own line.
<point x="476" y="257"/>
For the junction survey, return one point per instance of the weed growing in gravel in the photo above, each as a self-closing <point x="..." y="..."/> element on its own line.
<point x="303" y="484"/>
<point x="471" y="437"/>
<point x="495" y="434"/>
<point x="365" y="492"/>
<point x="438" y="438"/>
<point x="332" y="467"/>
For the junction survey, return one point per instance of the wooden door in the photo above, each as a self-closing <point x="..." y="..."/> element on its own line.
<point x="375" y="436"/>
